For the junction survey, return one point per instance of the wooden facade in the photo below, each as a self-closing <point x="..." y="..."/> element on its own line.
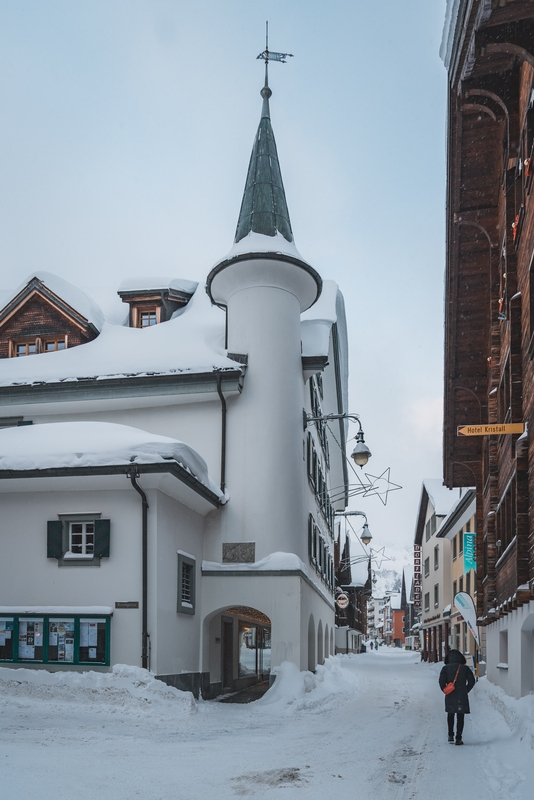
<point x="489" y="306"/>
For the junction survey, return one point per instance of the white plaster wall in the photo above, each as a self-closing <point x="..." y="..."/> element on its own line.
<point x="286" y="600"/>
<point x="27" y="576"/>
<point x="518" y="679"/>
<point x="264" y="456"/>
<point x="175" y="636"/>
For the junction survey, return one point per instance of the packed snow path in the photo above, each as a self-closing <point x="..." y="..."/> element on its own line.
<point x="370" y="727"/>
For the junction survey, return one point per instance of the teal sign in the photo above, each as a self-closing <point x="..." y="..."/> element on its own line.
<point x="470" y="558"/>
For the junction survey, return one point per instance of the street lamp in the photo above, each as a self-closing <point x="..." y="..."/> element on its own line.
<point x="365" y="536"/>
<point x="361" y="453"/>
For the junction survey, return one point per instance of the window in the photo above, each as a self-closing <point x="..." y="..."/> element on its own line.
<point x="76" y="539"/>
<point x="55" y="639"/>
<point x="454" y="589"/>
<point x="468" y="582"/>
<point x="427" y="530"/>
<point x="455" y="548"/>
<point x="147" y="318"/>
<point x="503" y="647"/>
<point x="54" y="344"/>
<point x="427" y="601"/>
<point x="461" y="584"/>
<point x="436" y="595"/>
<point x="81" y="539"/>
<point x="436" y="557"/>
<point x="427" y="567"/>
<point x="186" y="583"/>
<point x="460" y="543"/>
<point x="25" y="349"/>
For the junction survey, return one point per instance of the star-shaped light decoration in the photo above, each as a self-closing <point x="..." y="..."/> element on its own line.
<point x="381" y="486"/>
<point x="378" y="557"/>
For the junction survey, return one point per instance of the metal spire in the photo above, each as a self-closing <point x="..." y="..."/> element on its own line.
<point x="267" y="56"/>
<point x="264" y="207"/>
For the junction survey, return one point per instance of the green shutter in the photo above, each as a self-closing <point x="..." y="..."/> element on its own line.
<point x="54" y="539"/>
<point x="102" y="527"/>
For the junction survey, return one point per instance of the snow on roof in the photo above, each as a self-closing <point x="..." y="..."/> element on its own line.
<point x="260" y="243"/>
<point x="316" y="327"/>
<point x="408" y="578"/>
<point x="73" y="296"/>
<point x="274" y="561"/>
<point x="94" y="444"/>
<point x="96" y="611"/>
<point x="441" y="498"/>
<point x="359" y="574"/>
<point x="153" y="284"/>
<point x="192" y="342"/>
<point x="395" y="601"/>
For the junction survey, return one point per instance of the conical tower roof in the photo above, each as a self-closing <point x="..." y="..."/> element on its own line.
<point x="264" y="206"/>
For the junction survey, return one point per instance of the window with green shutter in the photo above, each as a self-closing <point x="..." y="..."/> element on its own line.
<point x="186" y="584"/>
<point x="80" y="539"/>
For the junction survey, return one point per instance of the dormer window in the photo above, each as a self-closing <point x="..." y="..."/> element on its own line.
<point x="25" y="349"/>
<point x="33" y="346"/>
<point x="147" y="318"/>
<point x="154" y="300"/>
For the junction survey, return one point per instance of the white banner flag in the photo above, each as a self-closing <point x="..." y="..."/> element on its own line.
<point x="464" y="603"/>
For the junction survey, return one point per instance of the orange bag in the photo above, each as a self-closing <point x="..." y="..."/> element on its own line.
<point x="450" y="687"/>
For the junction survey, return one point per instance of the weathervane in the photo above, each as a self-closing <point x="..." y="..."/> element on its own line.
<point x="269" y="55"/>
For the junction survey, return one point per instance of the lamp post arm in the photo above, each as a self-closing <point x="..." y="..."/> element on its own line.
<point x="328" y="417"/>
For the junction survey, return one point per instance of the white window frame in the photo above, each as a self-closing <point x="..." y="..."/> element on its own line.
<point x="84" y="544"/>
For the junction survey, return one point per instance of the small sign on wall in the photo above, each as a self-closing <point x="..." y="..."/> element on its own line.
<point x="127" y="604"/>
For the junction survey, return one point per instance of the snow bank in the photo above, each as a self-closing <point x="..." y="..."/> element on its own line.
<point x="129" y="690"/>
<point x="274" y="561"/>
<point x="295" y="691"/>
<point x="94" y="444"/>
<point x="518" y="714"/>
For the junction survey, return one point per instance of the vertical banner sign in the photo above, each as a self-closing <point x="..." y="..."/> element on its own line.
<point x="464" y="603"/>
<point x="470" y="559"/>
<point x="417" y="576"/>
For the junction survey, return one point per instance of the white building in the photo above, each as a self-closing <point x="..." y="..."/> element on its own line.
<point x="164" y="501"/>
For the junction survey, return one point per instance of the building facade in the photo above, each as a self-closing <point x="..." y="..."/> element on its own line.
<point x="488" y="49"/>
<point x="166" y="481"/>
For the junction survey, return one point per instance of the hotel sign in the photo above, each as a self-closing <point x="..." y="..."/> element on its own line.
<point x="490" y="430"/>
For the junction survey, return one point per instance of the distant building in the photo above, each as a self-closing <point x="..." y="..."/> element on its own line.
<point x="434" y="505"/>
<point x="354" y="581"/>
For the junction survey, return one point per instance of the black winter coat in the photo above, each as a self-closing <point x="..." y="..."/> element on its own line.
<point x="456" y="702"/>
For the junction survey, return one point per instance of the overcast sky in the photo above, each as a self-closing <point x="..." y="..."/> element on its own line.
<point x="126" y="129"/>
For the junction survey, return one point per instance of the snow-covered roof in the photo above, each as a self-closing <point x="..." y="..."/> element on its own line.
<point x="96" y="611"/>
<point x="70" y="294"/>
<point x="95" y="444"/>
<point x="462" y="511"/>
<point x="359" y="574"/>
<point x="441" y="498"/>
<point x="192" y="342"/>
<point x="157" y="284"/>
<point x="316" y="330"/>
<point x="260" y="243"/>
<point x="395" y="601"/>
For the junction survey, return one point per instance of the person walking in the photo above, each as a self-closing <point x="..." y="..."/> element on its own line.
<point x="456" y="672"/>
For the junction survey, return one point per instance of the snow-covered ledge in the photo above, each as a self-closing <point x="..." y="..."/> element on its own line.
<point x="502" y="665"/>
<point x="97" y="611"/>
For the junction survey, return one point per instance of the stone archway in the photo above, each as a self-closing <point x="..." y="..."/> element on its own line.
<point x="311" y="644"/>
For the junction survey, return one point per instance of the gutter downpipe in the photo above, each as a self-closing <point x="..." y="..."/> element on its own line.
<point x="133" y="475"/>
<point x="223" y="433"/>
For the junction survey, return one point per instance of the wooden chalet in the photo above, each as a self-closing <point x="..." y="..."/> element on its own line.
<point x="488" y="48"/>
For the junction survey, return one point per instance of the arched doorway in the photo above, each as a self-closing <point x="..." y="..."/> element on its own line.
<point x="239" y="648"/>
<point x="326" y="642"/>
<point x="527" y="655"/>
<point x="320" y="643"/>
<point x="311" y="644"/>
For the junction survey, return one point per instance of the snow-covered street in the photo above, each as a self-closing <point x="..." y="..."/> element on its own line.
<point x="372" y="726"/>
